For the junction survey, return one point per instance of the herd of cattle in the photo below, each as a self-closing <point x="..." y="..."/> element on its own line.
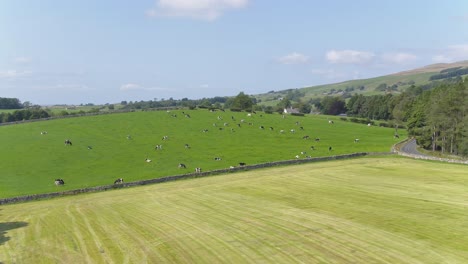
<point x="239" y="124"/>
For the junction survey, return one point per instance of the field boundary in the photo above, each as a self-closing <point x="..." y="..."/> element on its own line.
<point x="33" y="197"/>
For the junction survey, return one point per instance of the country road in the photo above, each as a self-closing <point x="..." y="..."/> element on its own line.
<point x="411" y="148"/>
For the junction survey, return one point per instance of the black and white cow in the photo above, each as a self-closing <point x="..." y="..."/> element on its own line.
<point x="182" y="166"/>
<point x="68" y="142"/>
<point x="119" y="181"/>
<point x="59" y="182"/>
<point x="198" y="170"/>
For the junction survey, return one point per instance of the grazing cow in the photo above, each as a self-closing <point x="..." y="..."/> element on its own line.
<point x="312" y="147"/>
<point x="226" y="124"/>
<point x="182" y="166"/>
<point x="356" y="140"/>
<point x="330" y="122"/>
<point x="59" y="182"/>
<point x="231" y="167"/>
<point x="297" y="156"/>
<point x="158" y="147"/>
<point x="297" y="123"/>
<point x="242" y="120"/>
<point x="43" y="132"/>
<point x="205" y="130"/>
<point x="165" y="138"/>
<point x="129" y="137"/>
<point x="330" y="148"/>
<point x="214" y="124"/>
<point x="232" y="117"/>
<point x="68" y="142"/>
<point x="238" y="125"/>
<point x="220" y="118"/>
<point x="301" y="128"/>
<point x="187" y="146"/>
<point x="262" y="127"/>
<point x="90" y="147"/>
<point x="217" y="158"/>
<point x="271" y="128"/>
<point x="281" y="131"/>
<point x="242" y="164"/>
<point x="317" y="139"/>
<point x="249" y="114"/>
<point x="396" y="136"/>
<point x="369" y="124"/>
<point x="303" y="152"/>
<point x="198" y="170"/>
<point x="293" y="131"/>
<point x="305" y="137"/>
<point x="119" y="181"/>
<point x="308" y="157"/>
<point x="147" y="160"/>
<point x="187" y="115"/>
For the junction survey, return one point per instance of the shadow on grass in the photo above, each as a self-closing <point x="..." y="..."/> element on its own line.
<point x="5" y="227"/>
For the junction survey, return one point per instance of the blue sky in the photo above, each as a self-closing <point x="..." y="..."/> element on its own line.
<point x="103" y="51"/>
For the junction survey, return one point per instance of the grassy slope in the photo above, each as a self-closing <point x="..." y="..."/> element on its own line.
<point x="31" y="161"/>
<point x="420" y="76"/>
<point x="367" y="210"/>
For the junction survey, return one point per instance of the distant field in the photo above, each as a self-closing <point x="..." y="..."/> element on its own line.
<point x="366" y="210"/>
<point x="31" y="161"/>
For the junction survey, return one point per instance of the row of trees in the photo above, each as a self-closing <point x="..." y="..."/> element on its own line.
<point x="10" y="103"/>
<point x="25" y="114"/>
<point x="438" y="118"/>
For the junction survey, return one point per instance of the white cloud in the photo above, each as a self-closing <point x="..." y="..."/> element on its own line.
<point x="328" y="74"/>
<point x="452" y="53"/>
<point x="12" y="74"/>
<point x="134" y="87"/>
<point x="64" y="87"/>
<point x="129" y="86"/>
<point x="198" y="9"/>
<point x="294" y="58"/>
<point x="22" y="60"/>
<point x="399" y="58"/>
<point x="349" y="56"/>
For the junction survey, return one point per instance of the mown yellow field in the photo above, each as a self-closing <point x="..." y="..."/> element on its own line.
<point x="366" y="210"/>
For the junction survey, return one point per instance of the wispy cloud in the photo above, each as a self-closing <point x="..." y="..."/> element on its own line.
<point x="399" y="58"/>
<point x="452" y="53"/>
<point x="330" y="74"/>
<point x="135" y="87"/>
<point x="294" y="58"/>
<point x="13" y="74"/>
<point x="349" y="56"/>
<point x="22" y="60"/>
<point x="70" y="87"/>
<point x="196" y="9"/>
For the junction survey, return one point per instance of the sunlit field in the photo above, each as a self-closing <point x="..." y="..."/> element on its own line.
<point x="107" y="147"/>
<point x="365" y="210"/>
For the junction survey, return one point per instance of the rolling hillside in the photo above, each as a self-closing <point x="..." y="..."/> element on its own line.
<point x="401" y="80"/>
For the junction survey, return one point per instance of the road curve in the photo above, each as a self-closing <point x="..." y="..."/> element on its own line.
<point x="411" y="148"/>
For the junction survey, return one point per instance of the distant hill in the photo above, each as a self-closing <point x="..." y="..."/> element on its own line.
<point x="392" y="83"/>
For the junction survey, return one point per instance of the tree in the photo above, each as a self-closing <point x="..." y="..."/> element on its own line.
<point x="242" y="102"/>
<point x="331" y="105"/>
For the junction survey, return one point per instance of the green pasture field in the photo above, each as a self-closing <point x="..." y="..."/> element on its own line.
<point x="363" y="210"/>
<point x="31" y="161"/>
